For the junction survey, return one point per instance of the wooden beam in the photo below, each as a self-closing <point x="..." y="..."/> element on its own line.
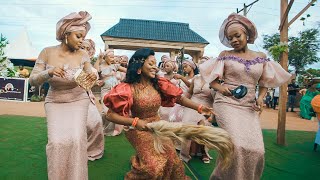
<point x="301" y="12"/>
<point x="281" y="129"/>
<point x="150" y="45"/>
<point x="133" y="44"/>
<point x="285" y="16"/>
<point x="109" y="40"/>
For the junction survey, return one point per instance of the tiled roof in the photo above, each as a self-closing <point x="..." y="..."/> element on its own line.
<point x="154" y="30"/>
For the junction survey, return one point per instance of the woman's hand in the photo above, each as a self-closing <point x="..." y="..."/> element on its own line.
<point x="57" y="71"/>
<point x="100" y="56"/>
<point x="259" y="105"/>
<point x="225" y="91"/>
<point x="91" y="77"/>
<point x="142" y="125"/>
<point x="207" y="112"/>
<point x="100" y="83"/>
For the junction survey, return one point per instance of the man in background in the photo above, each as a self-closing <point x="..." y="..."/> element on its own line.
<point x="275" y="98"/>
<point x="292" y="93"/>
<point x="23" y="72"/>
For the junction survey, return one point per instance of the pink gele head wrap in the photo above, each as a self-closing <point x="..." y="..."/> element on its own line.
<point x="165" y="58"/>
<point x="124" y="58"/>
<point x="172" y="63"/>
<point x="92" y="47"/>
<point x="235" y="25"/>
<point x="190" y="63"/>
<point x="108" y="51"/>
<point x="73" y="22"/>
<point x="237" y="21"/>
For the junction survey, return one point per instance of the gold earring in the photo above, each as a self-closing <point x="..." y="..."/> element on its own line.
<point x="66" y="40"/>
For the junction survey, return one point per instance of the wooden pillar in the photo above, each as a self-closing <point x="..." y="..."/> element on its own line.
<point x="196" y="56"/>
<point x="281" y="131"/>
<point x="172" y="54"/>
<point x="106" y="46"/>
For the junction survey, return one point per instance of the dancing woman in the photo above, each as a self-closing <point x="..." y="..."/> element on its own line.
<point x="94" y="122"/>
<point x="136" y="103"/>
<point x="190" y="69"/>
<point x="199" y="92"/>
<point x="172" y="114"/>
<point x="66" y="104"/>
<point x="108" y="72"/>
<point x="239" y="117"/>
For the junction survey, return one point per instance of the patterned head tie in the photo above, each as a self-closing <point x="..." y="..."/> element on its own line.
<point x="73" y="22"/>
<point x="190" y="63"/>
<point x="92" y="47"/>
<point x="240" y="22"/>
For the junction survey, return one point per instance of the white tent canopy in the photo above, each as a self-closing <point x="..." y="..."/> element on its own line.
<point x="21" y="48"/>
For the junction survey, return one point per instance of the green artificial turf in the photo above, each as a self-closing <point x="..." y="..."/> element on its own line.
<point x="23" y="140"/>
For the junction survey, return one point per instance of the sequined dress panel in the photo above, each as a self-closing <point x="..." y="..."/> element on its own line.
<point x="147" y="163"/>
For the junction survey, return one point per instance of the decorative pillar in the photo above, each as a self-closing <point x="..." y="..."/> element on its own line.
<point x="196" y="57"/>
<point x="106" y="46"/>
<point x="172" y="54"/>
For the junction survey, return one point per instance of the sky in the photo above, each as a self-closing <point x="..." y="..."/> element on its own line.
<point x="205" y="17"/>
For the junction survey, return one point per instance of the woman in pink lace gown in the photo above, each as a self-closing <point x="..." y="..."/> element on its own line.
<point x="66" y="104"/>
<point x="172" y="114"/>
<point x="199" y="92"/>
<point x="190" y="69"/>
<point x="136" y="103"/>
<point x="94" y="122"/>
<point x="240" y="117"/>
<point x="108" y="71"/>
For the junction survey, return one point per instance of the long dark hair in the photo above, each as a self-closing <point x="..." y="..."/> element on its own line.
<point x="135" y="63"/>
<point x="196" y="70"/>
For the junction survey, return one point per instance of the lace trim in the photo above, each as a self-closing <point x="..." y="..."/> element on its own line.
<point x="245" y="62"/>
<point x="40" y="61"/>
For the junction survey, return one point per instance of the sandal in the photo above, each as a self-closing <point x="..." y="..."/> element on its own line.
<point x="205" y="160"/>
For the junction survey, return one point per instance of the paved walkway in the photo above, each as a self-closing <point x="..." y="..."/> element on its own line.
<point x="269" y="117"/>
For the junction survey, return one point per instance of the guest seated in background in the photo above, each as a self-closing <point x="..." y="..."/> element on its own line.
<point x="23" y="72"/>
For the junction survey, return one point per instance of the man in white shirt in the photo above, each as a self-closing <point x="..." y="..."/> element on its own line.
<point x="275" y="97"/>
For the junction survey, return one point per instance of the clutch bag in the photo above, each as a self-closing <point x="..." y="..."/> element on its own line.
<point x="80" y="79"/>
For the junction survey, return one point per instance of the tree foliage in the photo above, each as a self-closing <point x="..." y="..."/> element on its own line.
<point x="313" y="72"/>
<point x="302" y="49"/>
<point x="6" y="67"/>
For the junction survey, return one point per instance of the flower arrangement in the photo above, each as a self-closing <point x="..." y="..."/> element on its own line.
<point x="6" y="67"/>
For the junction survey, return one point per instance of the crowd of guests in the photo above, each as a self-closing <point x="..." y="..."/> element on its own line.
<point x="135" y="92"/>
<point x="297" y="97"/>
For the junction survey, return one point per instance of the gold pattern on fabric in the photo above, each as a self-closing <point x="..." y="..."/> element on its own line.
<point x="147" y="163"/>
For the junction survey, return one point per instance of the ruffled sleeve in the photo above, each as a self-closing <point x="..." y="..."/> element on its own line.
<point x="211" y="70"/>
<point x="273" y="75"/>
<point x="119" y="99"/>
<point x="170" y="92"/>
